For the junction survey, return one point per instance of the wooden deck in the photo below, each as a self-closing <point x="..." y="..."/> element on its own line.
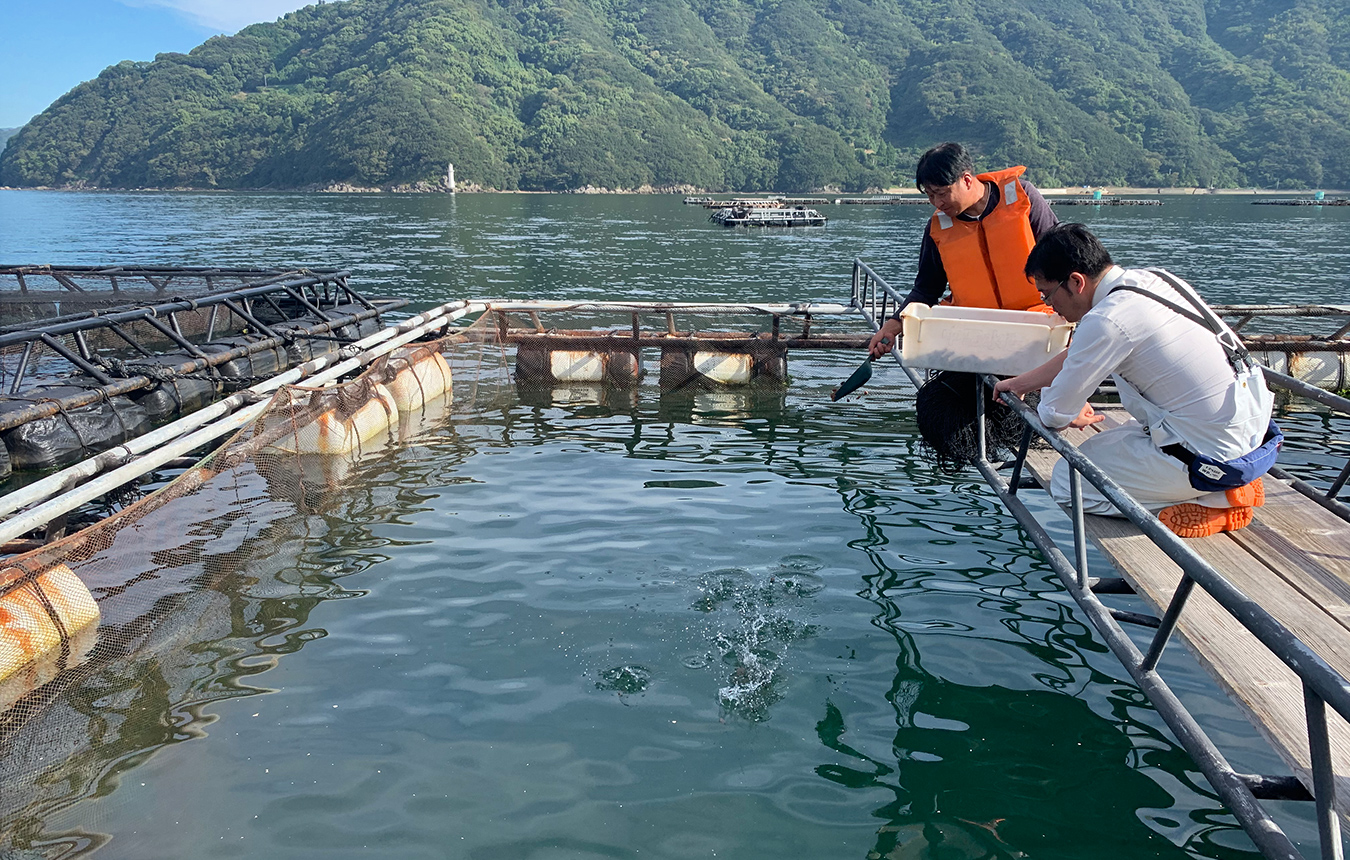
<point x="1294" y="560"/>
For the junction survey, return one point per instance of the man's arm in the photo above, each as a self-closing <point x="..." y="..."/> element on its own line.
<point x="929" y="286"/>
<point x="1098" y="348"/>
<point x="1041" y="378"/>
<point x="1033" y="380"/>
<point x="1041" y="216"/>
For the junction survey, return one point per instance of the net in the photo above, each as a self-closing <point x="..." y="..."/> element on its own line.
<point x="945" y="409"/>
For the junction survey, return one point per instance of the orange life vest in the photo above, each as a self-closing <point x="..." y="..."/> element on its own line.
<point x="984" y="259"/>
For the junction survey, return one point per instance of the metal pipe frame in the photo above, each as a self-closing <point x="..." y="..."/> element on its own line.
<point x="703" y="308"/>
<point x="79" y="322"/>
<point x="237" y="301"/>
<point x="316" y="281"/>
<point x="50" y="406"/>
<point x="63" y="492"/>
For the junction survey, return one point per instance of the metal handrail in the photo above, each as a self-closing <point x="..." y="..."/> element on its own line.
<point x="1322" y="684"/>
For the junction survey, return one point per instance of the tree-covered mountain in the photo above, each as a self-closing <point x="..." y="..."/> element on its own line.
<point x="6" y="134"/>
<point x="790" y="95"/>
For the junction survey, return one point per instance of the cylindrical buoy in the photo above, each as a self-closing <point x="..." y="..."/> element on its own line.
<point x="537" y="364"/>
<point x="570" y="365"/>
<point x="338" y="431"/>
<point x="1320" y="368"/>
<point x="47" y="624"/>
<point x="422" y="375"/>
<point x="726" y="368"/>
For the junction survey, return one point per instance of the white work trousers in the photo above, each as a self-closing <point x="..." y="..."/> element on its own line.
<point x="1128" y="455"/>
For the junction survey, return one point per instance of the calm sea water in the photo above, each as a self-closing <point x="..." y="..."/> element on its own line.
<point x="677" y="627"/>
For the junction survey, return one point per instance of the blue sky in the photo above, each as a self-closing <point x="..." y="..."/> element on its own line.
<point x="52" y="45"/>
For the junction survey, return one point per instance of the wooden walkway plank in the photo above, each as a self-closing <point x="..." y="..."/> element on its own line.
<point x="1294" y="563"/>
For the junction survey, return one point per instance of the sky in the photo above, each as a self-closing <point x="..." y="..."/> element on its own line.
<point x="50" y="46"/>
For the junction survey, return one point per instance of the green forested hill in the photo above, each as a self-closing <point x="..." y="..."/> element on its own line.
<point x="790" y="95"/>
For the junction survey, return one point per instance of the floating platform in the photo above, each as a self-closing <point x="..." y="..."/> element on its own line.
<point x="882" y="201"/>
<point x="1103" y="201"/>
<point x="1292" y="561"/>
<point x="1304" y="201"/>
<point x="798" y="216"/>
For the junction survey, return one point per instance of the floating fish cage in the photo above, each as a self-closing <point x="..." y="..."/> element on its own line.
<point x="115" y="562"/>
<point x="307" y="382"/>
<point x="92" y="357"/>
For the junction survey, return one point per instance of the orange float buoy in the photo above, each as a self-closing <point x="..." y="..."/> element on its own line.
<point x="47" y="624"/>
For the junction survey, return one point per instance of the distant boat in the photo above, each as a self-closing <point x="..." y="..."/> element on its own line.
<point x="797" y="216"/>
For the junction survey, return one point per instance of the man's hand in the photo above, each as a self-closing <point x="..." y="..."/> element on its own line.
<point x="1032" y="380"/>
<point x="1018" y="385"/>
<point x="885" y="338"/>
<point x="1086" y="417"/>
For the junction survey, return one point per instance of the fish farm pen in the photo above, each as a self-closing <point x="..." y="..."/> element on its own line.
<point x="156" y="420"/>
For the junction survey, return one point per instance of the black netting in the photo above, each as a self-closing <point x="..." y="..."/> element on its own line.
<point x="945" y="408"/>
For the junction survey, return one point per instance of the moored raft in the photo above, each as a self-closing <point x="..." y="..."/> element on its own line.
<point x="798" y="216"/>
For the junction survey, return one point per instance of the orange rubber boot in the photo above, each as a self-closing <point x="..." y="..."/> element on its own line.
<point x="1252" y="495"/>
<point x="1190" y="520"/>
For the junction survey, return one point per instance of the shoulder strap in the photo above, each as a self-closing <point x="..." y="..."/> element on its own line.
<point x="1232" y="347"/>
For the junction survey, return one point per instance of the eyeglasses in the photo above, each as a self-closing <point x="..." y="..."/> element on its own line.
<point x="1045" y="297"/>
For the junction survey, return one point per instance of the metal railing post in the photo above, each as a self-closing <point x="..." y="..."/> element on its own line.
<point x="1324" y="778"/>
<point x="1079" y="526"/>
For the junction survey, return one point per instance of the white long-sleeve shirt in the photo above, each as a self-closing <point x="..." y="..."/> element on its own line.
<point x="1171" y="371"/>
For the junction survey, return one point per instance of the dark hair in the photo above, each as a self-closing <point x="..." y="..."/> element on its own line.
<point x="1065" y="249"/>
<point x="943" y="165"/>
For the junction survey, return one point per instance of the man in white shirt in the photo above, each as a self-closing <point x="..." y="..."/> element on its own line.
<point x="1175" y="378"/>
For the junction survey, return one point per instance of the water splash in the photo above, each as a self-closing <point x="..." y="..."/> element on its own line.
<point x="756" y="617"/>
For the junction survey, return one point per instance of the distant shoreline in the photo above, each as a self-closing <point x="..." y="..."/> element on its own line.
<point x="1075" y="191"/>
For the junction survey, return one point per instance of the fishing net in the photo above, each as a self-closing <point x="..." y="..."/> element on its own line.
<point x="945" y="408"/>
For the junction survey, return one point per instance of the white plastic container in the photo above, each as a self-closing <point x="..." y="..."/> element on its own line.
<point x="980" y="340"/>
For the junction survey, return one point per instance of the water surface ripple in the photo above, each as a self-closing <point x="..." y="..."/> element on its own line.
<point x="751" y="625"/>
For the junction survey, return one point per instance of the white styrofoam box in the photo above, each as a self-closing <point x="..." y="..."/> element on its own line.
<point x="980" y="340"/>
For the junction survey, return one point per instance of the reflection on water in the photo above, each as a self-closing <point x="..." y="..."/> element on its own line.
<point x="567" y="628"/>
<point x="581" y="622"/>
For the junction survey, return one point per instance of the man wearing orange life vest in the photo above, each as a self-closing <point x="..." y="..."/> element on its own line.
<point x="977" y="241"/>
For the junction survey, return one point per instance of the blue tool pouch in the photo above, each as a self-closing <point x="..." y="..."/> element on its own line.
<point x="1214" y="476"/>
